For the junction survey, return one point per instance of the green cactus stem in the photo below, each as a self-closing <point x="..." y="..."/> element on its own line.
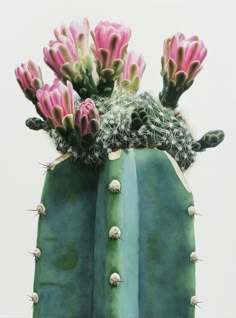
<point x="81" y="76"/>
<point x="211" y="139"/>
<point x="173" y="89"/>
<point x="138" y="117"/>
<point x="108" y="76"/>
<point x="116" y="239"/>
<point x="35" y="123"/>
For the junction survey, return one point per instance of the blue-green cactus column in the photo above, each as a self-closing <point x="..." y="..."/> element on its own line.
<point x="166" y="238"/>
<point x="117" y="255"/>
<point x="116" y="241"/>
<point x="152" y="260"/>
<point x="64" y="271"/>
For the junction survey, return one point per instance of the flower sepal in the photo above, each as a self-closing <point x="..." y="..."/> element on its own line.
<point x="117" y="66"/>
<point x="108" y="76"/>
<point x="67" y="130"/>
<point x="174" y="88"/>
<point x="30" y="94"/>
<point x="80" y="74"/>
<point x="131" y="85"/>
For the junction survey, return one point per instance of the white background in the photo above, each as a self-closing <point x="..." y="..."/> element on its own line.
<point x="27" y="26"/>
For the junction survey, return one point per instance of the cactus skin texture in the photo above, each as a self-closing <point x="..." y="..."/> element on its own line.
<point x="151" y="256"/>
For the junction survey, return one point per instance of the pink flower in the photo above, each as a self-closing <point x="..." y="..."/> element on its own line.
<point x="183" y="55"/>
<point x="134" y="65"/>
<point x="78" y="33"/>
<point x="70" y="45"/>
<point x="56" y="101"/>
<point x="29" y="77"/>
<point x="87" y="118"/>
<point x="110" y="42"/>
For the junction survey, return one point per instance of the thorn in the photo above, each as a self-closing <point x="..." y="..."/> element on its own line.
<point x="54" y="163"/>
<point x="192" y="211"/>
<point x="194" y="301"/>
<point x="194" y="257"/>
<point x="34" y="298"/>
<point x="48" y="166"/>
<point x="36" y="253"/>
<point x="40" y="209"/>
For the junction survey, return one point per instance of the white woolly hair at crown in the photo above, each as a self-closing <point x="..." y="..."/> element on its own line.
<point x="158" y="127"/>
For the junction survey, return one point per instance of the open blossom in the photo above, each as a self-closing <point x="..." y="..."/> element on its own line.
<point x="134" y="65"/>
<point x="70" y="45"/>
<point x="110" y="42"/>
<point x="56" y="101"/>
<point x="87" y="118"/>
<point x="183" y="55"/>
<point x="29" y="77"/>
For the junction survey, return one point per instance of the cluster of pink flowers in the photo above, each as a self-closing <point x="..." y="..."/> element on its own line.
<point x="57" y="102"/>
<point x="70" y="46"/>
<point x="180" y="55"/>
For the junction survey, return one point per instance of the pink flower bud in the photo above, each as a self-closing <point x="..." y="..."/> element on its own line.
<point x="29" y="77"/>
<point x="110" y="42"/>
<point x="56" y="101"/>
<point x="70" y="45"/>
<point x="87" y="118"/>
<point x="78" y="33"/>
<point x="183" y="55"/>
<point x="134" y="65"/>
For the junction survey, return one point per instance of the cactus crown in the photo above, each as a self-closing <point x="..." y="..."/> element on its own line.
<point x="134" y="121"/>
<point x="92" y="107"/>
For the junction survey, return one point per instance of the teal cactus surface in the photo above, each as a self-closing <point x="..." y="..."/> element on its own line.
<point x="151" y="256"/>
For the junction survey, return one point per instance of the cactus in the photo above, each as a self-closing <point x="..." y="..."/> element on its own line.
<point x="116" y="217"/>
<point x="80" y="252"/>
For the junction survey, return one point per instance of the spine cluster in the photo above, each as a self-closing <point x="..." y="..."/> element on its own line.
<point x="128" y="121"/>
